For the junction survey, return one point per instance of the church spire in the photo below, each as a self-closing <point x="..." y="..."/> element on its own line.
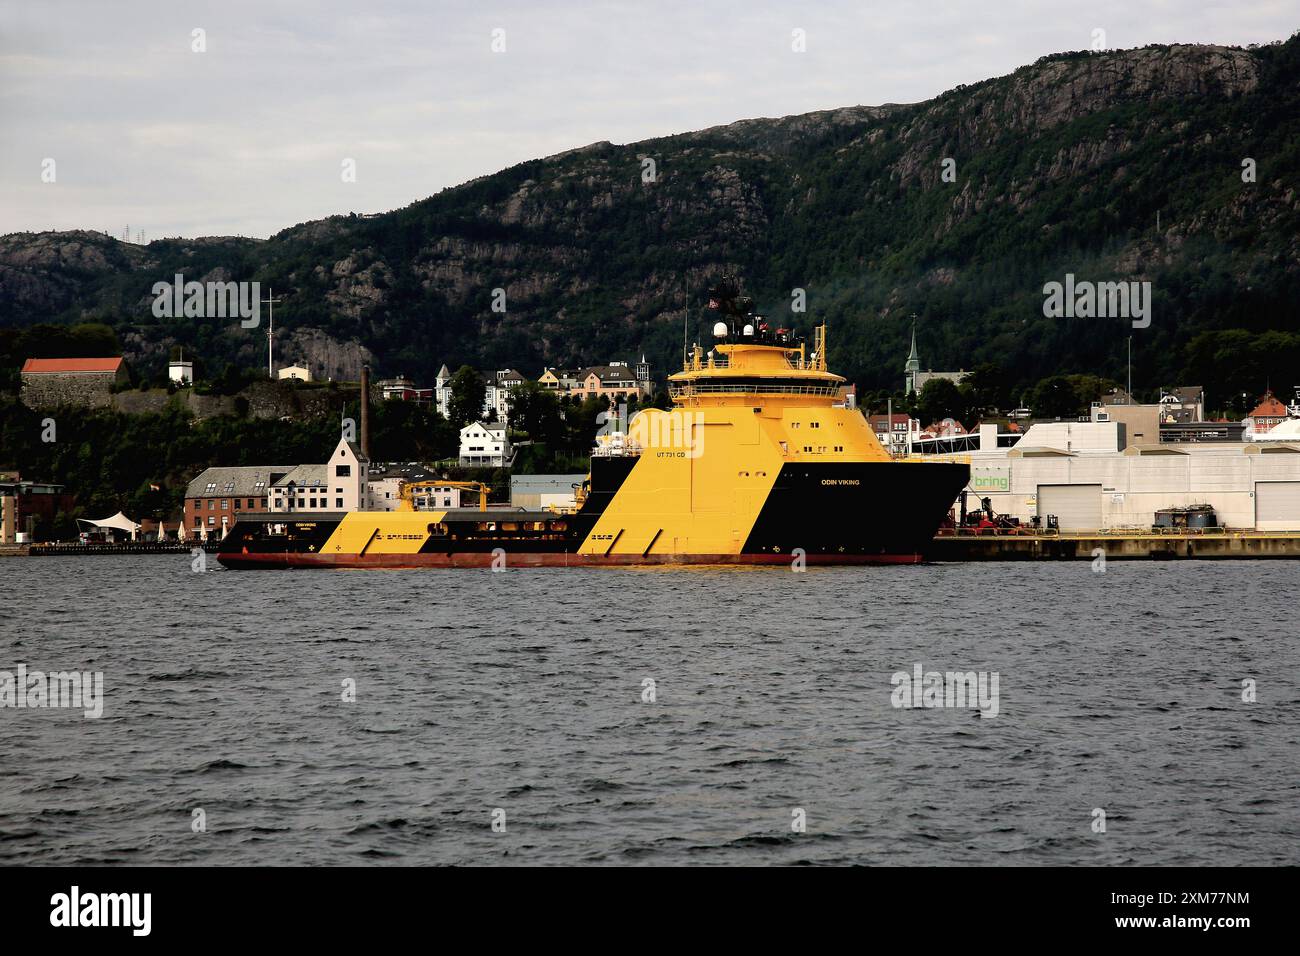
<point x="913" y="365"/>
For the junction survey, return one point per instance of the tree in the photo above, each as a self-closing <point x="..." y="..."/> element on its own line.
<point x="407" y="431"/>
<point x="1089" y="389"/>
<point x="1056" y="397"/>
<point x="534" y="409"/>
<point x="232" y="380"/>
<point x="984" y="391"/>
<point x="467" y="395"/>
<point x="581" y="421"/>
<point x="877" y="401"/>
<point x="939" y="399"/>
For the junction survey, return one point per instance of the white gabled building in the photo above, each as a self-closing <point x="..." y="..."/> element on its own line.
<point x="436" y="498"/>
<point x="338" y="485"/>
<point x="496" y="392"/>
<point x="299" y="372"/>
<point x="484" y="445"/>
<point x="384" y="491"/>
<point x="442" y="392"/>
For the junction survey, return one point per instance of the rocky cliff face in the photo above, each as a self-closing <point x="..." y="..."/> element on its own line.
<point x="43" y="274"/>
<point x="1062" y="164"/>
<point x="327" y="357"/>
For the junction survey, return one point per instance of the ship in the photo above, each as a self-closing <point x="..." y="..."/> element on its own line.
<point x="757" y="462"/>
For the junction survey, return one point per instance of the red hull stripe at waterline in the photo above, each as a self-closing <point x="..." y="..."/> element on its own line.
<point x="539" y="560"/>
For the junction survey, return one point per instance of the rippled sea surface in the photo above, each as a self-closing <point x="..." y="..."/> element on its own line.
<point x="523" y="690"/>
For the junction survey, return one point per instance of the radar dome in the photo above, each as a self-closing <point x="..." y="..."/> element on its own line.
<point x="720" y="330"/>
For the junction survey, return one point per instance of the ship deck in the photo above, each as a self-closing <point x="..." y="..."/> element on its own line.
<point x="450" y="514"/>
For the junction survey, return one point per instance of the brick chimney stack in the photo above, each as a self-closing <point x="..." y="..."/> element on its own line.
<point x="365" y="411"/>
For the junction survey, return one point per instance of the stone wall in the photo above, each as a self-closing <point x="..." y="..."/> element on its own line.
<point x="136" y="402"/>
<point x="44" y="390"/>
<point x="266" y="399"/>
<point x="281" y="399"/>
<point x="207" y="406"/>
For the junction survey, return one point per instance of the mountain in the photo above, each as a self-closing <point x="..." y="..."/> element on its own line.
<point x="1061" y="167"/>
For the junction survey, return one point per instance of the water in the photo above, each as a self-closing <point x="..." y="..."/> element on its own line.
<point x="522" y="690"/>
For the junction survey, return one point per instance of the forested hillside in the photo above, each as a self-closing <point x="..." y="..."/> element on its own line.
<point x="1062" y="166"/>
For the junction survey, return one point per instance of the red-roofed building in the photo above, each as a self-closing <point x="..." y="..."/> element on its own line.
<point x="73" y="365"/>
<point x="893" y="433"/>
<point x="1267" y="413"/>
<point x="85" y="382"/>
<point x="946" y="428"/>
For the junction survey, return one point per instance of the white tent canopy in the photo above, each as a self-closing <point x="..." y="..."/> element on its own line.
<point x="119" y="522"/>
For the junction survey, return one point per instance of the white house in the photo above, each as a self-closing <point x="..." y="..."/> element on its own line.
<point x="482" y="444"/>
<point x="385" y="494"/>
<point x="182" y="373"/>
<point x="504" y="381"/>
<point x="301" y="373"/>
<point x="436" y="498"/>
<point x="496" y="392"/>
<point x="442" y="391"/>
<point x="384" y="488"/>
<point x="338" y="485"/>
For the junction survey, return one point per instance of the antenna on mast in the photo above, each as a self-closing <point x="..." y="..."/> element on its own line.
<point x="270" y="332"/>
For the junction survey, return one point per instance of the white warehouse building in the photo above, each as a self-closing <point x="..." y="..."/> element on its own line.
<point x="1086" y="475"/>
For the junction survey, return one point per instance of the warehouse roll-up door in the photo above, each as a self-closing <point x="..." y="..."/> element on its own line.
<point x="1277" y="505"/>
<point x="1077" y="507"/>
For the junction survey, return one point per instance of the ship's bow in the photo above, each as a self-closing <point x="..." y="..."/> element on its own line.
<point x="885" y="511"/>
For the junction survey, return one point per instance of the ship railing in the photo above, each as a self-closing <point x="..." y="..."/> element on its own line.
<point x="1008" y="531"/>
<point x="722" y="388"/>
<point x="628" y="449"/>
<point x="725" y="362"/>
<point x="1026" y="530"/>
<point x="1150" y="531"/>
<point x="705" y="364"/>
<point x="924" y="459"/>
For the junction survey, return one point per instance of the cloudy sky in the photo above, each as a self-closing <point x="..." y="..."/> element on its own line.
<point x="251" y="134"/>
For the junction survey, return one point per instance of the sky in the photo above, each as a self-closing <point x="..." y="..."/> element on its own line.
<point x="252" y="133"/>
